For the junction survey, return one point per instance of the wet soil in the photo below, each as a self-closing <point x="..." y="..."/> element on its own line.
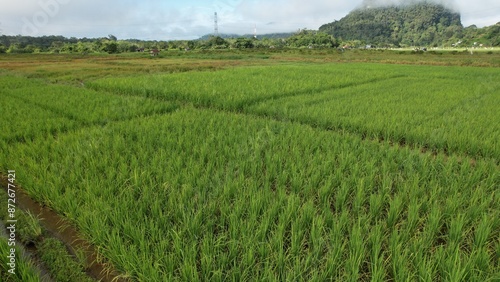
<point x="60" y="228"/>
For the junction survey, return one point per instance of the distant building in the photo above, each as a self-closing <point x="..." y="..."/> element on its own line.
<point x="154" y="52"/>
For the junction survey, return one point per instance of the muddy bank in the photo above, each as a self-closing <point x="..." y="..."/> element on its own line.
<point x="58" y="227"/>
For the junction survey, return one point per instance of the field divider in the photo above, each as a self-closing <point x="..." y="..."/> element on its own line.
<point x="244" y="105"/>
<point x="24" y="139"/>
<point x="326" y="99"/>
<point x="60" y="228"/>
<point x="400" y="144"/>
<point x="467" y="101"/>
<point x="88" y="125"/>
<point x="84" y="124"/>
<point x="250" y="103"/>
<point x="50" y="109"/>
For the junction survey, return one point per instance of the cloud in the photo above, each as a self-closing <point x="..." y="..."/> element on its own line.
<point x="290" y="15"/>
<point x="451" y="4"/>
<point x="190" y="19"/>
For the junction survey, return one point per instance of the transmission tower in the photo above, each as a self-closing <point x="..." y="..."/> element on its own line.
<point x="216" y="25"/>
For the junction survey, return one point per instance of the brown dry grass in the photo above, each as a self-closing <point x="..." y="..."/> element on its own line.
<point x="75" y="68"/>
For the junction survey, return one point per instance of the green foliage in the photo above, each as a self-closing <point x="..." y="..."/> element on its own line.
<point x="236" y="89"/>
<point x="61" y="266"/>
<point x="30" y="230"/>
<point x="243" y="43"/>
<point x="413" y="25"/>
<point x="488" y="36"/>
<point x="110" y="46"/>
<point x="428" y="107"/>
<point x="308" y="38"/>
<point x="215" y="42"/>
<point x="24" y="272"/>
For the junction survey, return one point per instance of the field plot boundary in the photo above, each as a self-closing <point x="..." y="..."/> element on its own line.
<point x="25" y="99"/>
<point x="242" y="103"/>
<point x="250" y="102"/>
<point x="56" y="111"/>
<point x="24" y="139"/>
<point x="85" y="123"/>
<point x="401" y="144"/>
<point x="326" y="99"/>
<point x="338" y="204"/>
<point x="217" y="191"/>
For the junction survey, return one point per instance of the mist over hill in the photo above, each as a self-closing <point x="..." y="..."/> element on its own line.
<point x="399" y="23"/>
<point x="449" y="4"/>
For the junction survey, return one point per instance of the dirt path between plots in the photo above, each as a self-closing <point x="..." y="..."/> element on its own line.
<point x="58" y="227"/>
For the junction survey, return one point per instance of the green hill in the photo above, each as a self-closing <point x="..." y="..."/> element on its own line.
<point x="412" y="24"/>
<point x="488" y="36"/>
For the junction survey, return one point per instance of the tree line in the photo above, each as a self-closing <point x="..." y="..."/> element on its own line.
<point x="59" y="44"/>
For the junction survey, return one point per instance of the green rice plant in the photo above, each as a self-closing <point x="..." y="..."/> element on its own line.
<point x="62" y="268"/>
<point x="206" y="194"/>
<point x="356" y="254"/>
<point x="24" y="122"/>
<point x="376" y="206"/>
<point x="30" y="230"/>
<point x="453" y="268"/>
<point x="238" y="87"/>
<point x="87" y="106"/>
<point x="430" y="107"/>
<point x="376" y="255"/>
<point x="426" y="268"/>
<point x="456" y="230"/>
<point x="25" y="269"/>
<point x="412" y="218"/>
<point x="399" y="258"/>
<point x="395" y="209"/>
<point x="483" y="232"/>
<point x="432" y="227"/>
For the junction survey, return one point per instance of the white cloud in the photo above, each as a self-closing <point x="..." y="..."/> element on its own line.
<point x="290" y="15"/>
<point x="154" y="19"/>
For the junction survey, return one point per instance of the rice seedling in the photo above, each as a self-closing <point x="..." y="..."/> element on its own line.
<point x="85" y="106"/>
<point x="26" y="122"/>
<point x="182" y="211"/>
<point x="293" y="172"/>
<point x="235" y="89"/>
<point x="443" y="113"/>
<point x="24" y="270"/>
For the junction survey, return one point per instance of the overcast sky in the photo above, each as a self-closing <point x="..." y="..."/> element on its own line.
<point x="191" y="19"/>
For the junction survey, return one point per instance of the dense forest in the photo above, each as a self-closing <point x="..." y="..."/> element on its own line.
<point x="414" y="24"/>
<point x="58" y="44"/>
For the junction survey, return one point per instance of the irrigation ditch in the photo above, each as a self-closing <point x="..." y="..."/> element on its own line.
<point x="57" y="227"/>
